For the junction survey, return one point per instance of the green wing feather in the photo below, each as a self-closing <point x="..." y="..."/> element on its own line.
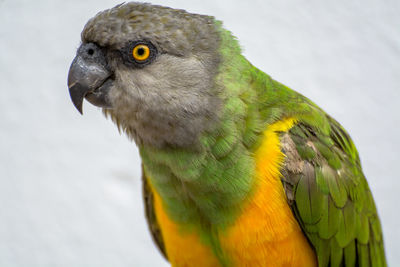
<point x="330" y="197"/>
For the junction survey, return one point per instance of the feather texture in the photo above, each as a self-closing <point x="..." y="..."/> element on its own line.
<point x="332" y="200"/>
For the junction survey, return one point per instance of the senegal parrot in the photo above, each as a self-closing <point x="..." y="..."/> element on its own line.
<point x="238" y="169"/>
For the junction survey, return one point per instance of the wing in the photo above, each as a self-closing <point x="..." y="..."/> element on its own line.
<point x="330" y="197"/>
<point x="151" y="217"/>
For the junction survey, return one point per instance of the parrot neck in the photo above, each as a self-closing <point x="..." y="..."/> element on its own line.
<point x="206" y="184"/>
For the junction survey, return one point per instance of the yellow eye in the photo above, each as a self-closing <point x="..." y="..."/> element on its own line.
<point x="141" y="52"/>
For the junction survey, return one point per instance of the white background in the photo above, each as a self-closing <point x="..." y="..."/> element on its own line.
<point x="70" y="185"/>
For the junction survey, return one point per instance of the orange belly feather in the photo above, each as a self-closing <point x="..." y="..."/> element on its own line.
<point x="265" y="233"/>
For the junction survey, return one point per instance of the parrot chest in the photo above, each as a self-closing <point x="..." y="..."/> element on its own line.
<point x="264" y="234"/>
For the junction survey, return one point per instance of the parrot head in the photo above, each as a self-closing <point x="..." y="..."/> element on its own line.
<point x="153" y="71"/>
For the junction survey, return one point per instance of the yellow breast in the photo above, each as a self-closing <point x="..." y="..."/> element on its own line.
<point x="183" y="249"/>
<point x="265" y="234"/>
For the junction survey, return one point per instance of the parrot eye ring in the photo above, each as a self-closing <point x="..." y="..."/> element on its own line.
<point x="139" y="53"/>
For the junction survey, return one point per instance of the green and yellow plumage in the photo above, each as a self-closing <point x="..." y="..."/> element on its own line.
<point x="239" y="170"/>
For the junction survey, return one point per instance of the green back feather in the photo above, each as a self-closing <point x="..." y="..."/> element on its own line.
<point x="331" y="198"/>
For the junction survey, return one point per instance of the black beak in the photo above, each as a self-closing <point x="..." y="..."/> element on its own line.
<point x="89" y="78"/>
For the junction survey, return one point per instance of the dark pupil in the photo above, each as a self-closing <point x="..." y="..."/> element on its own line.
<point x="140" y="51"/>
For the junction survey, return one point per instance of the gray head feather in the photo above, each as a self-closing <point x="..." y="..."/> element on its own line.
<point x="171" y="101"/>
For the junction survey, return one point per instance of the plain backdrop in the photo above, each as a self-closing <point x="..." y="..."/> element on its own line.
<point x="70" y="189"/>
